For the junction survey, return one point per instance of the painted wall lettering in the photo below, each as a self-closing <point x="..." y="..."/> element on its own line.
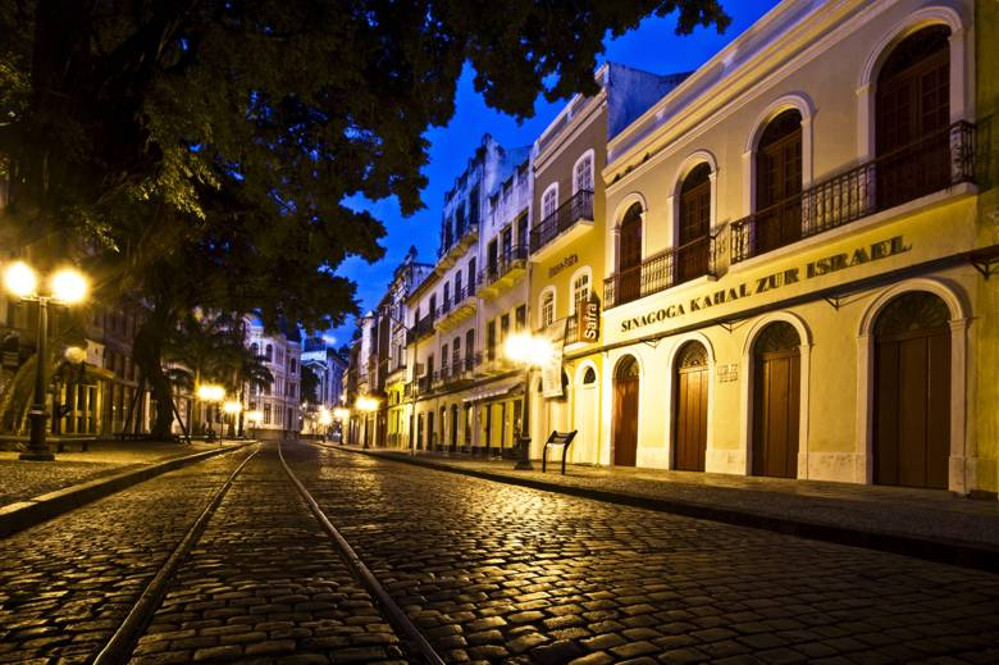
<point x="777" y="280"/>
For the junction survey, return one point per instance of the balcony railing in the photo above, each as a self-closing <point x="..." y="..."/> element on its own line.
<point x="453" y="240"/>
<point x="580" y="206"/>
<point x="424" y="326"/>
<point x="460" y="295"/>
<point x="511" y="257"/>
<point x="423" y="384"/>
<point x="659" y="272"/>
<point x="935" y="162"/>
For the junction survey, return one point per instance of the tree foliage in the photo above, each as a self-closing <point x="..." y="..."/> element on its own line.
<point x="201" y="153"/>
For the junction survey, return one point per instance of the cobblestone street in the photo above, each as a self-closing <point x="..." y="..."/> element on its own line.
<point x="493" y="572"/>
<point x="66" y="584"/>
<point x="488" y="572"/>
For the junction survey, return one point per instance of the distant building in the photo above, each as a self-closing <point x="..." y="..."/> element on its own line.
<point x="280" y="403"/>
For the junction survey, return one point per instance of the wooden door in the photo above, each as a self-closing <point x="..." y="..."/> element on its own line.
<point x="913" y="113"/>
<point x="778" y="183"/>
<point x="776" y="402"/>
<point x="912" y="393"/>
<point x="692" y="256"/>
<point x="690" y="421"/>
<point x="630" y="264"/>
<point x="626" y="395"/>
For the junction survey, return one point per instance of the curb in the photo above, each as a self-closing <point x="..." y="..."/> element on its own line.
<point x="18" y="516"/>
<point x="938" y="550"/>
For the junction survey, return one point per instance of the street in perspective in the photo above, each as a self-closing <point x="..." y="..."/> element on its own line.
<point x="477" y="333"/>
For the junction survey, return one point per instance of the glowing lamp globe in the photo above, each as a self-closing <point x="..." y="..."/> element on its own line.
<point x="20" y="280"/>
<point x="69" y="286"/>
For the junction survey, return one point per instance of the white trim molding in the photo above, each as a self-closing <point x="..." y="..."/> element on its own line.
<point x="960" y="317"/>
<point x="748" y="370"/>
<point x="961" y="83"/>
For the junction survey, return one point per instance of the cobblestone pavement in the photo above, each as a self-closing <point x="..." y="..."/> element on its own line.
<point x="20" y="480"/>
<point x="898" y="510"/>
<point x="499" y="573"/>
<point x="264" y="583"/>
<point x="66" y="584"/>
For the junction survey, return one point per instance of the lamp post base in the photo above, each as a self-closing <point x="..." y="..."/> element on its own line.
<point x="524" y="463"/>
<point x="36" y="456"/>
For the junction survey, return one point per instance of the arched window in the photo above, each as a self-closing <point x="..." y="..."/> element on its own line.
<point x="694" y="245"/>
<point x="911" y="118"/>
<point x="269" y="352"/>
<point x="547" y="308"/>
<point x="580" y="289"/>
<point x="629" y="286"/>
<point x="549" y="201"/>
<point x="254" y="348"/>
<point x="589" y="377"/>
<point x="582" y="174"/>
<point x="778" y="183"/>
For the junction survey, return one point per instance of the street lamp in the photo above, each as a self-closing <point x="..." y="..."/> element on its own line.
<point x="210" y="393"/>
<point x="253" y="419"/>
<point x="367" y="406"/>
<point x="532" y="352"/>
<point x="342" y="415"/>
<point x="66" y="287"/>
<point x="325" y="420"/>
<point x="232" y="408"/>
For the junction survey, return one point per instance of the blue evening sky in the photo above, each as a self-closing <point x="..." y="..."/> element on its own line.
<point x="652" y="46"/>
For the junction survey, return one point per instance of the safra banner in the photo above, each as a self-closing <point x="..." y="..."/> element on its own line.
<point x="551" y="373"/>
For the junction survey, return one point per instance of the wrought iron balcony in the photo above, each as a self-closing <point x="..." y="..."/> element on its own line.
<point x="423" y="327"/>
<point x="579" y="207"/>
<point x="661" y="271"/>
<point x="933" y="163"/>
<point x="509" y="264"/>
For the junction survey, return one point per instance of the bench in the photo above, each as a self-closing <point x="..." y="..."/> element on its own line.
<point x="562" y="439"/>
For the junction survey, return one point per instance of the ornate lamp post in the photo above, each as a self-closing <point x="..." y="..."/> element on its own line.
<point x="66" y="287"/>
<point x="210" y="393"/>
<point x="532" y="352"/>
<point x="342" y="415"/>
<point x="232" y="408"/>
<point x="367" y="406"/>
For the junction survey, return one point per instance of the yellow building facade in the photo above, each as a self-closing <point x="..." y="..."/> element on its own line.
<point x="795" y="257"/>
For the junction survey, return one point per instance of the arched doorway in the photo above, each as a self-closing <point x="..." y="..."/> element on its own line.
<point x="419" y="432"/>
<point x="912" y="118"/>
<point x="586" y="419"/>
<point x="626" y="394"/>
<point x="912" y="392"/>
<point x="454" y="426"/>
<point x="690" y="400"/>
<point x="776" y="401"/>
<point x="778" y="182"/>
<point x="431" y="434"/>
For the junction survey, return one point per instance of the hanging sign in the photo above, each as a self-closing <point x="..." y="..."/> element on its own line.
<point x="588" y="321"/>
<point x="551" y="372"/>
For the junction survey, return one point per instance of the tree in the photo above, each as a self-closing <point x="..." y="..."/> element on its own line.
<point x="201" y="153"/>
<point x="310" y="385"/>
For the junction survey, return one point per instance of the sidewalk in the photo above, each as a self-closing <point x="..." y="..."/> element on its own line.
<point x="33" y="491"/>
<point x="929" y="524"/>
